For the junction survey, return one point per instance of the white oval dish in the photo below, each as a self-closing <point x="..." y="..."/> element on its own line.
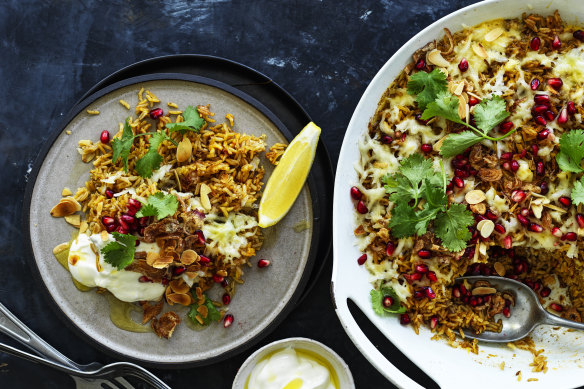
<point x="448" y="367"/>
<point x="341" y="369"/>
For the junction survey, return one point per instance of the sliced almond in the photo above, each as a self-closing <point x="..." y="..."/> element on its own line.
<point x="458" y="89"/>
<point x="67" y="206"/>
<point x="462" y="108"/>
<point x="203" y="310"/>
<point x="66" y="192"/>
<point x="60" y="248"/>
<point x="480" y="224"/>
<point x="537" y="210"/>
<point x="480" y="208"/>
<point x="475" y="196"/>
<point x="205" y="202"/>
<point x="493" y="34"/>
<point x="83" y="227"/>
<point x="188" y="257"/>
<point x="184" y="151"/>
<point x="151" y="257"/>
<point x="104" y="236"/>
<point x="499" y="268"/>
<point x="191" y="274"/>
<point x="483" y="290"/>
<point x="438" y="145"/>
<point x="555" y="208"/>
<point x="74" y="220"/>
<point x="162" y="262"/>
<point x="435" y="58"/>
<point x="178" y="298"/>
<point x="487" y="229"/>
<point x="480" y="50"/>
<point x="179" y="286"/>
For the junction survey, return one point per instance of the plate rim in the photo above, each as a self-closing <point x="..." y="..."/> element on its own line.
<point x="39" y="160"/>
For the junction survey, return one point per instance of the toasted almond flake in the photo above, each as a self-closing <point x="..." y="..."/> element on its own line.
<point x="125" y="104"/>
<point x="480" y="224"/>
<point x="74" y="220"/>
<point x="537" y="210"/>
<point x="151" y="257"/>
<point x="438" y="145"/>
<point x="230" y="118"/>
<point x="199" y="319"/>
<point x="162" y="262"/>
<point x="179" y="298"/>
<point x="104" y="236"/>
<point x="66" y="192"/>
<point x="475" y="196"/>
<point x="179" y="286"/>
<point x="499" y="268"/>
<point x="60" y="248"/>
<point x="172" y="105"/>
<point x="435" y="58"/>
<point x="493" y="34"/>
<point x="462" y="108"/>
<point x="83" y="227"/>
<point x="93" y="111"/>
<point x="203" y="310"/>
<point x="188" y="257"/>
<point x="555" y="208"/>
<point x="205" y="202"/>
<point x="480" y="208"/>
<point x="459" y="89"/>
<point x="184" y="151"/>
<point x="487" y="228"/>
<point x="66" y="206"/>
<point x="480" y="50"/>
<point x="483" y="290"/>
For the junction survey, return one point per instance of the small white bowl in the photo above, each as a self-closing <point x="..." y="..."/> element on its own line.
<point x="340" y="367"/>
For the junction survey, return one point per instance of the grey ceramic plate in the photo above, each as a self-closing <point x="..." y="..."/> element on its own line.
<point x="267" y="294"/>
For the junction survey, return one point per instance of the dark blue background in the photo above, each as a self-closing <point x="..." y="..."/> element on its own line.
<point x="323" y="52"/>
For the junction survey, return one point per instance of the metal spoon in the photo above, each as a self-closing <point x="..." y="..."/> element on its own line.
<point x="525" y="315"/>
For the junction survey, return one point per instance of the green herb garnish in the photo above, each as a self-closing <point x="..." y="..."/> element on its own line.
<point x="159" y="205"/>
<point x="377" y="301"/>
<point x="192" y="122"/>
<point x="571" y="151"/>
<point x="213" y="313"/>
<point x="120" y="253"/>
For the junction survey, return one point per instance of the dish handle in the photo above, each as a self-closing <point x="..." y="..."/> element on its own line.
<point x="367" y="348"/>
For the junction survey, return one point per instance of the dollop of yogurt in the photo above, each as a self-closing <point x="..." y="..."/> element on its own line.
<point x="291" y="370"/>
<point x="87" y="266"/>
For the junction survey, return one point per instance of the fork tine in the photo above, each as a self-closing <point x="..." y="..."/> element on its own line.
<point x="123" y="383"/>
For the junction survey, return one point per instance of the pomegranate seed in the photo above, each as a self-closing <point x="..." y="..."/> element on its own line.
<point x="555" y="83"/>
<point x="463" y="65"/>
<point x="263" y="263"/>
<point x="537" y="285"/>
<point x="228" y="320"/>
<point x="539" y="168"/>
<point x="514" y="166"/>
<point x="404" y="319"/>
<point x="580" y="220"/>
<point x="491" y="215"/>
<point x="110" y="227"/>
<point x="389" y="249"/>
<point x="506" y="165"/>
<point x="108" y="221"/>
<point x="144" y="279"/>
<point x="570" y="236"/>
<point x="534" y="149"/>
<point x="473" y="301"/>
<point x="200" y="237"/>
<point x="505" y="127"/>
<point x="506" y="156"/>
<point x="204" y="260"/>
<point x="522" y="219"/>
<point x="571" y="107"/>
<point x="469" y="252"/>
<point x="544" y="188"/>
<point x="556" y="307"/>
<point x="518" y="196"/>
<point x="540" y="108"/>
<point x="386" y="139"/>
<point x="479" y="218"/>
<point x="472" y="101"/>
<point x="563" y="116"/>
<point x="361" y="207"/>
<point x="424" y="253"/>
<point x="549" y="115"/>
<point x="217" y="278"/>
<point x="508" y="242"/>
<point x="426" y="148"/>
<point x="433" y="322"/>
<point x="565" y="201"/>
<point x="361" y="260"/>
<point x="557" y="232"/>
<point x="177" y="271"/>
<point x="412" y="277"/>
<point x="105" y="137"/>
<point x="226" y="299"/>
<point x="122" y="230"/>
<point x="543" y="134"/>
<point x="225" y="283"/>
<point x="524" y="212"/>
<point x="429" y="292"/>
<point x="431" y="276"/>
<point x="507" y="312"/>
<point x="419" y="119"/>
<point x="156" y="113"/>
<point x="545" y="291"/>
<point x="387" y="301"/>
<point x="356" y="193"/>
<point x="461" y="173"/>
<point x="500" y="228"/>
<point x="535" y="84"/>
<point x="541" y="121"/>
<point x="542" y="99"/>
<point x="421" y="64"/>
<point x="529" y="283"/>
<point x="535" y="227"/>
<point x="459" y="182"/>
<point x="165" y="281"/>
<point x="579" y="34"/>
<point x="128" y="219"/>
<point x="134" y="204"/>
<point x="109" y="193"/>
<point x="418" y="294"/>
<point x="535" y="44"/>
<point x="523" y="153"/>
<point x="137" y="243"/>
<point x="556" y="43"/>
<point x="421" y="268"/>
<point x="456" y="292"/>
<point x="463" y="290"/>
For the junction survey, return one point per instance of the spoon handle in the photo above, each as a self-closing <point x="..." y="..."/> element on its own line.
<point x="560" y="321"/>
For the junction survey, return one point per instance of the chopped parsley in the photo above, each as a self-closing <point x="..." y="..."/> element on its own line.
<point x="192" y="122"/>
<point x="420" y="199"/>
<point x="120" y="253"/>
<point x="377" y="296"/>
<point x="159" y="205"/>
<point x="213" y="313"/>
<point x="433" y="97"/>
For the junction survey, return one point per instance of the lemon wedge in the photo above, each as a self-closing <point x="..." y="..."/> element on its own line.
<point x="288" y="177"/>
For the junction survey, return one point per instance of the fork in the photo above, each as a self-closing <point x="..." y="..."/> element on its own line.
<point x="112" y="373"/>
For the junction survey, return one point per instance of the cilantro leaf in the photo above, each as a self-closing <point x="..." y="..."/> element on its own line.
<point x="578" y="192"/>
<point x="193" y="122"/>
<point x="451" y="227"/>
<point x="446" y="106"/>
<point x="120" y="253"/>
<point x="416" y="168"/>
<point x="159" y="205"/>
<point x="151" y="160"/>
<point x="377" y="301"/>
<point x="408" y="183"/>
<point x="403" y="221"/>
<point x="427" y="86"/>
<point x="489" y="113"/>
<point x="455" y="144"/>
<point x="212" y="313"/>
<point x="435" y="196"/>
<point x="571" y="151"/>
<point x="121" y="147"/>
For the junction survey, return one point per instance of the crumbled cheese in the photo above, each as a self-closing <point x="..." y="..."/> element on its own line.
<point x="161" y="172"/>
<point x="228" y="235"/>
<point x="524" y="173"/>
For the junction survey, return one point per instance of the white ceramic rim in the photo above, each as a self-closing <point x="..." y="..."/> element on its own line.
<point x="325" y="352"/>
<point x="447" y="366"/>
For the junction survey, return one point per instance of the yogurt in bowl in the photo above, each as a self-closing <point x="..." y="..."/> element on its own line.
<point x="294" y="363"/>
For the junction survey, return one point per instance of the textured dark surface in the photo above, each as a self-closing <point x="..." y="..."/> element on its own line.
<point x="323" y="52"/>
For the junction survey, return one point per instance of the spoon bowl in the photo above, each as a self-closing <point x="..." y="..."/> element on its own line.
<point x="527" y="312"/>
